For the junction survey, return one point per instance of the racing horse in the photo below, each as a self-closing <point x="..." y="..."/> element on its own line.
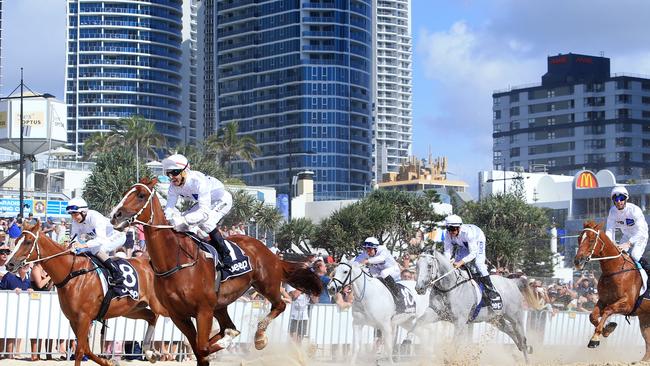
<point x="371" y="306"/>
<point x="618" y="285"/>
<point x="453" y="299"/>
<point x="185" y="278"/>
<point x="80" y="289"/>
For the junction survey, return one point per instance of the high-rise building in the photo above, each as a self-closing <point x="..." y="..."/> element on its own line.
<point x="579" y="117"/>
<point x="191" y="74"/>
<point x="124" y="59"/>
<point x="208" y="17"/>
<point x="297" y="76"/>
<point x="393" y="135"/>
<point x="1" y="44"/>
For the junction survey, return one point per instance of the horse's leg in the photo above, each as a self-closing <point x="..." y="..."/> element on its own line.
<point x="81" y="327"/>
<point x="514" y="330"/>
<point x="150" y="317"/>
<point x="644" y="325"/>
<point x="203" y="328"/>
<point x="227" y="329"/>
<point x="185" y="325"/>
<point x="387" y="333"/>
<point x="594" y="317"/>
<point x="619" y="307"/>
<point x="277" y="307"/>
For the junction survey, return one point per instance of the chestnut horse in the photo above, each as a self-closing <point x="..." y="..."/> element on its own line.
<point x="185" y="278"/>
<point x="80" y="289"/>
<point x="618" y="285"/>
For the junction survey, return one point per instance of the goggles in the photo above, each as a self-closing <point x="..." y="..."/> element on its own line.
<point x="73" y="209"/>
<point x="174" y="172"/>
<point x="5" y="251"/>
<point x="453" y="228"/>
<point x="619" y="198"/>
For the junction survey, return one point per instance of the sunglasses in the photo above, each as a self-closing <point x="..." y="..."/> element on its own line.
<point x="619" y="198"/>
<point x="5" y="251"/>
<point x="452" y="228"/>
<point x="174" y="172"/>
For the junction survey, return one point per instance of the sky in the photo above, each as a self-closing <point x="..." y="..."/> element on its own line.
<point x="463" y="50"/>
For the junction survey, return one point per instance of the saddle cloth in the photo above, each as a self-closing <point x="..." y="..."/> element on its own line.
<point x="644" y="283"/>
<point x="479" y="293"/>
<point x="405" y="304"/>
<point x="240" y="262"/>
<point x="131" y="285"/>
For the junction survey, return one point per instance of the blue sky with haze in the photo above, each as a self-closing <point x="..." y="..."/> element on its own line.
<point x="463" y="51"/>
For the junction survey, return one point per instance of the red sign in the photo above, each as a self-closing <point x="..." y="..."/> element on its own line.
<point x="584" y="60"/>
<point x="559" y="60"/>
<point x="586" y="179"/>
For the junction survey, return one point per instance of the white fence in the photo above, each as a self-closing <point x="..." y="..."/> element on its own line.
<point x="37" y="316"/>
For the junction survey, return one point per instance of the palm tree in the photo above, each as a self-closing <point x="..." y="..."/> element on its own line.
<point x="200" y="160"/>
<point x="244" y="206"/>
<point x="296" y="232"/>
<point x="268" y="219"/>
<point x="229" y="146"/>
<point x="137" y="132"/>
<point x="98" y="143"/>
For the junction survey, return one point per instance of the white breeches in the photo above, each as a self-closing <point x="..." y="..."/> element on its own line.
<point x="637" y="249"/>
<point x="390" y="271"/>
<point x="476" y="266"/>
<point x="108" y="244"/>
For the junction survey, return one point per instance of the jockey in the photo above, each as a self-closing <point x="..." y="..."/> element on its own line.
<point x="629" y="218"/>
<point x="105" y="238"/>
<point x="469" y="241"/>
<point x="382" y="264"/>
<point x="212" y="199"/>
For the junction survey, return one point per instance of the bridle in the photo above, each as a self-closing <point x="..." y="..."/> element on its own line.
<point x="348" y="280"/>
<point x="35" y="246"/>
<point x="134" y="219"/>
<point x="432" y="281"/>
<point x="602" y="247"/>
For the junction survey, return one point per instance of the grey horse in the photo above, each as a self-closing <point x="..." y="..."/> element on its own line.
<point x="453" y="298"/>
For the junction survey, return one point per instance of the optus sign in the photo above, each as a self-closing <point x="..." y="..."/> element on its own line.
<point x="586" y="179"/>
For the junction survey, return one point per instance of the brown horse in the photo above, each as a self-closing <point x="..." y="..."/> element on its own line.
<point x="80" y="289"/>
<point x="618" y="286"/>
<point x="185" y="278"/>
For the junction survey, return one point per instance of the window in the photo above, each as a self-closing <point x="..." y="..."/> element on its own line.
<point x="497" y="114"/>
<point x="514" y="152"/>
<point x="623" y="127"/>
<point x="514" y="111"/>
<point x="595" y="144"/>
<point x="514" y="125"/>
<point x="514" y="98"/>
<point x="623" y="142"/>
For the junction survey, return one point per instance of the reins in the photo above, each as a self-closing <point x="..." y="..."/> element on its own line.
<point x="593" y="248"/>
<point x="432" y="282"/>
<point x="351" y="280"/>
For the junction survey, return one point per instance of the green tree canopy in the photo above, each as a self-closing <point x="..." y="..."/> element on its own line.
<point x="296" y="232"/>
<point x="112" y="176"/>
<point x="136" y="131"/>
<point x="516" y="232"/>
<point x="229" y="146"/>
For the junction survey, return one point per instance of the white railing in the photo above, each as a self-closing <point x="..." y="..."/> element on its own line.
<point x="38" y="317"/>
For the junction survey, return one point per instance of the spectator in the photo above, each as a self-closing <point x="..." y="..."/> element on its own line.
<point x="588" y="302"/>
<point x="17" y="283"/>
<point x="320" y="269"/>
<point x="299" y="315"/>
<point x="274" y="248"/>
<point x="405" y="263"/>
<point x="311" y="258"/>
<point x="48" y="227"/>
<point x="137" y="253"/>
<point x="584" y="287"/>
<point x="129" y="243"/>
<point x="345" y="298"/>
<point x="62" y="232"/>
<point x="141" y="240"/>
<point x="40" y="280"/>
<point x="406" y="275"/>
<point x="4" y="254"/>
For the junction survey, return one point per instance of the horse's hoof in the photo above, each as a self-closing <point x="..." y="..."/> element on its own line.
<point x="114" y="362"/>
<point x="593" y="344"/>
<point x="232" y="332"/>
<point x="609" y="328"/>
<point x="261" y="342"/>
<point x="152" y="356"/>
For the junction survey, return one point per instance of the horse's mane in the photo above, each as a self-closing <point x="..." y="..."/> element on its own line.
<point x="591" y="224"/>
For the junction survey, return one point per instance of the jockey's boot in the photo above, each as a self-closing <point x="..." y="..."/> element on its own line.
<point x="394" y="290"/>
<point x="224" y="253"/>
<point x="493" y="295"/>
<point x="117" y="279"/>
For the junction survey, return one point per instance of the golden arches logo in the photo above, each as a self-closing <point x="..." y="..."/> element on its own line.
<point x="586" y="180"/>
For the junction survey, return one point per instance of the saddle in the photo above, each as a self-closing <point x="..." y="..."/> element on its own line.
<point x="240" y="264"/>
<point x="130" y="287"/>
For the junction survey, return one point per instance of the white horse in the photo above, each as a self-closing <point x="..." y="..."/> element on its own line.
<point x="453" y="298"/>
<point x="374" y="305"/>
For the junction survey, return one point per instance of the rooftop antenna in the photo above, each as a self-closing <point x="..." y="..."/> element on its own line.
<point x="602" y="53"/>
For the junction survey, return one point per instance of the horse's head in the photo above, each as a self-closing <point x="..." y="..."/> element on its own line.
<point x="26" y="247"/>
<point x="426" y="270"/>
<point x="344" y="274"/>
<point x="133" y="204"/>
<point x="591" y="241"/>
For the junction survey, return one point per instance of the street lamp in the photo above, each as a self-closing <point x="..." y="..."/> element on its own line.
<point x="504" y="179"/>
<point x="22" y="132"/>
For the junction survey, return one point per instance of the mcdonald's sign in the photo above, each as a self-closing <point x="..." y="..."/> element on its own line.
<point x="586" y="179"/>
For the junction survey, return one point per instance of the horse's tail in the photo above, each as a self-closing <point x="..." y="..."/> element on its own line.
<point x="301" y="277"/>
<point x="527" y="292"/>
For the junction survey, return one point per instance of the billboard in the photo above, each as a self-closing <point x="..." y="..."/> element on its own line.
<point x="586" y="179"/>
<point x="40" y="208"/>
<point x="42" y="119"/>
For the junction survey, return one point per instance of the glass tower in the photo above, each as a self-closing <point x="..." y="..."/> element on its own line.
<point x="123" y="59"/>
<point x="297" y="76"/>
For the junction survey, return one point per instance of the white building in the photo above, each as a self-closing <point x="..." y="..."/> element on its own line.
<point x="393" y="135"/>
